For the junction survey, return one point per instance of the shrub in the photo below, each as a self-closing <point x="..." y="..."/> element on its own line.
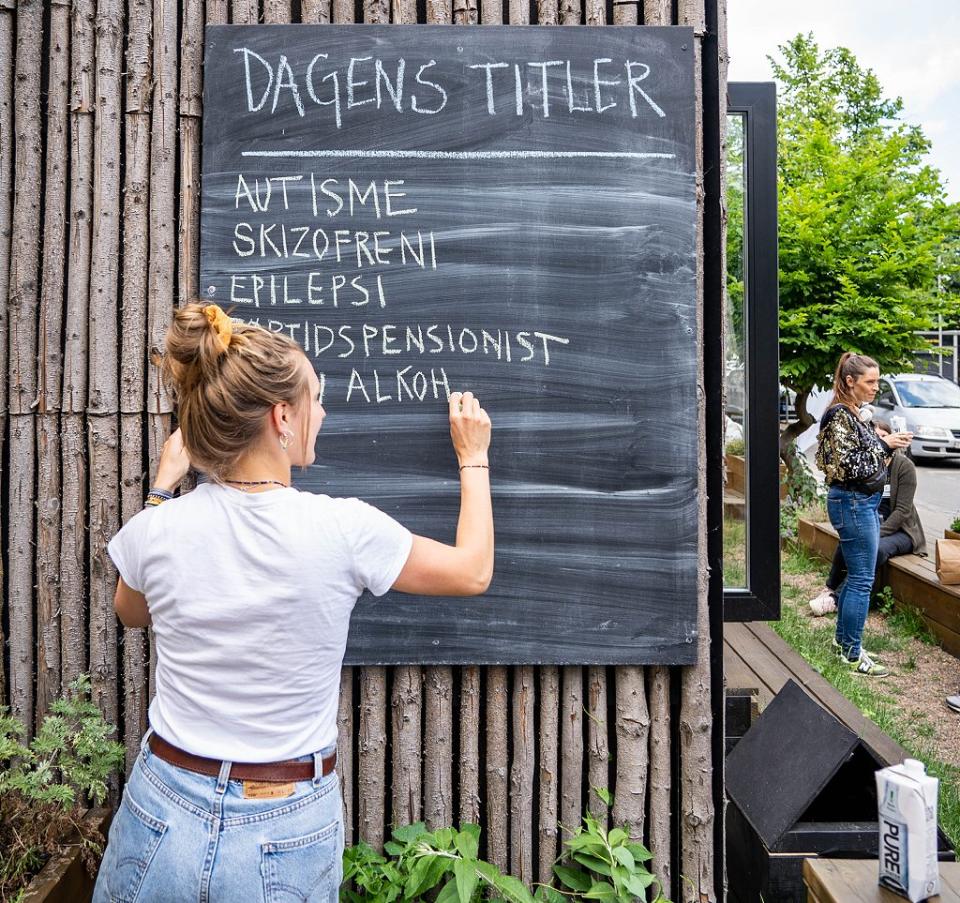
<point x="46" y="784"/>
<point x="603" y="865"/>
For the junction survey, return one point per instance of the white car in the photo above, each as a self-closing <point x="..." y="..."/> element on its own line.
<point x="930" y="409"/>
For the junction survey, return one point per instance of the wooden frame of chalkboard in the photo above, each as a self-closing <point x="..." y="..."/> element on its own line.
<point x="756" y="102"/>
<point x="428" y="216"/>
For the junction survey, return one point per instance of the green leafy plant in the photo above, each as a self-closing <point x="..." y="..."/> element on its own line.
<point x="736" y="447"/>
<point x="46" y="784"/>
<point x="955" y="524"/>
<point x="444" y="866"/>
<point x="803" y="492"/>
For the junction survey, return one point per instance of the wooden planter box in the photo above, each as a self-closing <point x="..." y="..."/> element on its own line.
<point x="951" y="534"/>
<point x="737" y="475"/>
<point x="64" y="879"/>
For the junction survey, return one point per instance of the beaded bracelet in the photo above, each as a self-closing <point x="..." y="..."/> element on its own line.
<point x="157" y="497"/>
<point x="483" y="466"/>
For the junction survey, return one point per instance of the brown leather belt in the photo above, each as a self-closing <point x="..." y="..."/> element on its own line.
<point x="280" y="772"/>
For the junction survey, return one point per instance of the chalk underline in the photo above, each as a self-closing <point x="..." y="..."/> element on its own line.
<point x="460" y="155"/>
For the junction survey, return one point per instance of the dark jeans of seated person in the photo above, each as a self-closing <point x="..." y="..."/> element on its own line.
<point x="890" y="546"/>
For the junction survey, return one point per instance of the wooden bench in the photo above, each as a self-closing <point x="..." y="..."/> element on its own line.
<point x="757" y="661"/>
<point x="912" y="579"/>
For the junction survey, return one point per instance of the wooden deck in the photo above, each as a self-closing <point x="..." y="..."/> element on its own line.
<point x="912" y="579"/>
<point x="757" y="662"/>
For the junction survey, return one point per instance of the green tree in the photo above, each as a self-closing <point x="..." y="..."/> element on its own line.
<point x="863" y="221"/>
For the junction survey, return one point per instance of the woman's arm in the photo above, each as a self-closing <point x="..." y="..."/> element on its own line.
<point x="465" y="569"/>
<point x="131" y="606"/>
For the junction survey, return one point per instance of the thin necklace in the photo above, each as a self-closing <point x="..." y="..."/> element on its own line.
<point x="244" y="483"/>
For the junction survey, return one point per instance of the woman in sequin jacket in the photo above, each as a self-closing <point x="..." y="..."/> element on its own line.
<point x="853" y="459"/>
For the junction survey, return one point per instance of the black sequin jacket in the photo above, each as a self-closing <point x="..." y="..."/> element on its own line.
<point x="848" y="450"/>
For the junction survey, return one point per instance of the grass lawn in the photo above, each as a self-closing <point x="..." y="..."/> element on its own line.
<point x="908" y="705"/>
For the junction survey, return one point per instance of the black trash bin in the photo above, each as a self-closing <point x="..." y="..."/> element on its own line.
<point x="800" y="784"/>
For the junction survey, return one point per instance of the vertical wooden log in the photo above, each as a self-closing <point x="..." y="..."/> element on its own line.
<point x="496" y="767"/>
<point x="22" y="312"/>
<point x="657" y="12"/>
<point x="570" y="12"/>
<point x="217" y="12"/>
<point x="438" y="746"/>
<point x="316" y="12"/>
<point x="407" y="723"/>
<point x="598" y="746"/>
<point x="343" y="12"/>
<point x="549" y="746"/>
<point x="404" y="12"/>
<point x="103" y="379"/>
<point x="163" y="187"/>
<point x="134" y="639"/>
<point x="276" y="12"/>
<point x="244" y="12"/>
<point x="133" y="333"/>
<point x="626" y="12"/>
<point x="465" y="12"/>
<point x="571" y="746"/>
<point x="103" y="455"/>
<point x="190" y="113"/>
<point x="521" y="774"/>
<point x="48" y="562"/>
<point x="439" y="12"/>
<point x="519" y="12"/>
<point x="50" y="360"/>
<point x="658" y="813"/>
<point x="371" y="755"/>
<point x="595" y="12"/>
<point x="73" y="546"/>
<point x="159" y="427"/>
<point x="470" y="745"/>
<point x="7" y="54"/>
<point x="20" y="570"/>
<point x="633" y="738"/>
<point x="491" y="12"/>
<point x="696" y="757"/>
<point x="345" y="763"/>
<point x="548" y="12"/>
<point x="376" y="12"/>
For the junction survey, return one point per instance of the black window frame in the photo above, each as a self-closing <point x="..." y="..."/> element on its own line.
<point x="756" y="102"/>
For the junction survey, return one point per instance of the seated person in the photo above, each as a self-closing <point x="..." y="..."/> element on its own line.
<point x="900" y="529"/>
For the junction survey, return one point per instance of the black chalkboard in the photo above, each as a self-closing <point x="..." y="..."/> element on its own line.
<point x="511" y="211"/>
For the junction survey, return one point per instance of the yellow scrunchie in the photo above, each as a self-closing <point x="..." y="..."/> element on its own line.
<point x="221" y="323"/>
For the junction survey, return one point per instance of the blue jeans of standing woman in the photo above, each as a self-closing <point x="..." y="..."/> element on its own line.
<point x="180" y="836"/>
<point x="854" y="517"/>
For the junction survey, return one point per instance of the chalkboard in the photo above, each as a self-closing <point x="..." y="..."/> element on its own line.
<point x="427" y="209"/>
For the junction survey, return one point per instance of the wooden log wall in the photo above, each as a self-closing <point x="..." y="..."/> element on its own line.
<point x="99" y="240"/>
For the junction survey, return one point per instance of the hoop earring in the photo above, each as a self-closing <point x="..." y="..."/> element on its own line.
<point x="285" y="440"/>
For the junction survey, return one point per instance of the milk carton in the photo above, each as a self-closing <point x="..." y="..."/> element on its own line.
<point x="907" y="799"/>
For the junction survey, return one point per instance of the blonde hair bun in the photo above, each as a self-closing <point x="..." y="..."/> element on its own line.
<point x="226" y="376"/>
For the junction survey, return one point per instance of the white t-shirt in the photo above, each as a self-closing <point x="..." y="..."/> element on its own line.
<point x="250" y="596"/>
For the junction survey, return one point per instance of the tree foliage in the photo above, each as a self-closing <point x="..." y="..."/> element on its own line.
<point x="863" y="221"/>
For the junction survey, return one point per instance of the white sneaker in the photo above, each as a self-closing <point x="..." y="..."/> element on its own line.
<point x="825" y="603"/>
<point x="864" y="665"/>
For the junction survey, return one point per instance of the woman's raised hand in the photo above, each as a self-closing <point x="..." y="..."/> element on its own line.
<point x="174" y="463"/>
<point x="899" y="440"/>
<point x="469" y="428"/>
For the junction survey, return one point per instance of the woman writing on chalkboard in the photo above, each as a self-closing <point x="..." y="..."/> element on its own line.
<point x="249" y="585"/>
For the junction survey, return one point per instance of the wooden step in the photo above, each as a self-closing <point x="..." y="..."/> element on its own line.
<point x="912" y="579"/>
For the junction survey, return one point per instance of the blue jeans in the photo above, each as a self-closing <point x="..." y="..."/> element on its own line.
<point x="181" y="836"/>
<point x="854" y="517"/>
